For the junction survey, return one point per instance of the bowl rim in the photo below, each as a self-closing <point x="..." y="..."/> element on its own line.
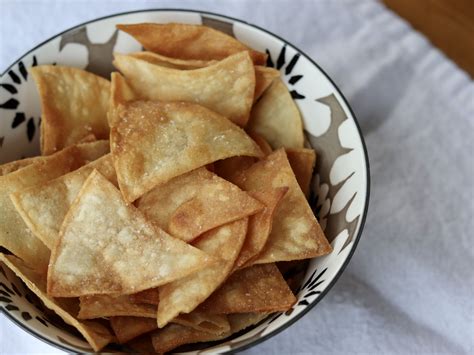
<point x="366" y="161"/>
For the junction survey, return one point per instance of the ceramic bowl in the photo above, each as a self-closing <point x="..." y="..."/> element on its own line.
<point x="340" y="187"/>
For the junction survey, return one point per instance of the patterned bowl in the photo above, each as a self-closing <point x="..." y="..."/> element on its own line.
<point x="340" y="186"/>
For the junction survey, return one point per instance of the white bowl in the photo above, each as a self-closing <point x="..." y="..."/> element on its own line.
<point x="340" y="187"/>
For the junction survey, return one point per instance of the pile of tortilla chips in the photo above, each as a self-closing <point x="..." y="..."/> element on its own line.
<point x="166" y="200"/>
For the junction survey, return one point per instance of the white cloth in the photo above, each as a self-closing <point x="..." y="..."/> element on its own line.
<point x="409" y="287"/>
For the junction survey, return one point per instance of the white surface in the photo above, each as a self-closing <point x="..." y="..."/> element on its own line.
<point x="409" y="287"/>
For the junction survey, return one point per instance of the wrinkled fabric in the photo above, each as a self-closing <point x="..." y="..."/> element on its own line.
<point x="410" y="285"/>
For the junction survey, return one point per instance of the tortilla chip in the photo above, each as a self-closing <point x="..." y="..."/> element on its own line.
<point x="14" y="233"/>
<point x="96" y="335"/>
<point x="276" y="118"/>
<point x="185" y="41"/>
<point x="296" y="233"/>
<point x="174" y="63"/>
<point x="210" y="323"/>
<point x="184" y="295"/>
<point x="264" y="77"/>
<point x="261" y="142"/>
<point x="98" y="306"/>
<point x="44" y="206"/>
<point x="88" y="139"/>
<point x="150" y="296"/>
<point x="180" y="206"/>
<point x="302" y="162"/>
<point x="227" y="168"/>
<point x="107" y="247"/>
<point x="240" y="321"/>
<point x="73" y="103"/>
<point x="174" y="138"/>
<point x="260" y="225"/>
<point x="259" y="288"/>
<point x="142" y="345"/>
<point x="12" y="166"/>
<point x="226" y="87"/>
<point x="120" y="93"/>
<point x="174" y="335"/>
<point x="128" y="328"/>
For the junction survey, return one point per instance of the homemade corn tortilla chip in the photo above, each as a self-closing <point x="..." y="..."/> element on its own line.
<point x="184" y="295"/>
<point x="141" y="344"/>
<point x="15" y="235"/>
<point x="98" y="306"/>
<point x="261" y="142"/>
<point x="226" y="87"/>
<point x="276" y="118"/>
<point x="185" y="41"/>
<point x="44" y="206"/>
<point x="240" y="321"/>
<point x="226" y="168"/>
<point x="150" y="296"/>
<point x="17" y="164"/>
<point x="120" y="93"/>
<point x="181" y="206"/>
<point x="302" y="162"/>
<point x="128" y="328"/>
<point x="206" y="322"/>
<point x="260" y="225"/>
<point x="73" y="105"/>
<point x="263" y="76"/>
<point x="157" y="141"/>
<point x="296" y="233"/>
<point x="259" y="288"/>
<point x="107" y="247"/>
<point x="96" y="334"/>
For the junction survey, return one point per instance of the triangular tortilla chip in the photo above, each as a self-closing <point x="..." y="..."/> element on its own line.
<point x="120" y="93"/>
<point x="141" y="345"/>
<point x="261" y="142"/>
<point x="184" y="295"/>
<point x="276" y="118"/>
<point x="264" y="77"/>
<point x="240" y="321"/>
<point x="227" y="168"/>
<point x="183" y="41"/>
<point x="12" y="166"/>
<point x="98" y="306"/>
<point x="182" y="205"/>
<point x="128" y="328"/>
<point x="206" y="322"/>
<point x="73" y="103"/>
<point x="260" y="225"/>
<point x="302" y="162"/>
<point x="14" y="233"/>
<point x="107" y="247"/>
<point x="150" y="296"/>
<point x="259" y="288"/>
<point x="226" y="87"/>
<point x="44" y="206"/>
<point x="96" y="335"/>
<point x="296" y="233"/>
<point x="156" y="141"/>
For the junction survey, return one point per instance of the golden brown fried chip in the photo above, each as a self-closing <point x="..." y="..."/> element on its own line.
<point x="296" y="233"/>
<point x="240" y="321"/>
<point x="128" y="328"/>
<point x="261" y="142"/>
<point x="264" y="77"/>
<point x="73" y="104"/>
<point x="156" y="141"/>
<point x="226" y="87"/>
<point x="206" y="322"/>
<point x="259" y="288"/>
<point x="96" y="334"/>
<point x="44" y="206"/>
<point x="107" y="247"/>
<point x="174" y="63"/>
<point x="181" y="206"/>
<point x="276" y="118"/>
<point x="150" y="296"/>
<point x="98" y="306"/>
<point x="185" y="41"/>
<point x="184" y="295"/>
<point x="12" y="166"/>
<point x="226" y="168"/>
<point x="14" y="233"/>
<point x="260" y="225"/>
<point x="302" y="162"/>
<point x="142" y="345"/>
<point x="120" y="93"/>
